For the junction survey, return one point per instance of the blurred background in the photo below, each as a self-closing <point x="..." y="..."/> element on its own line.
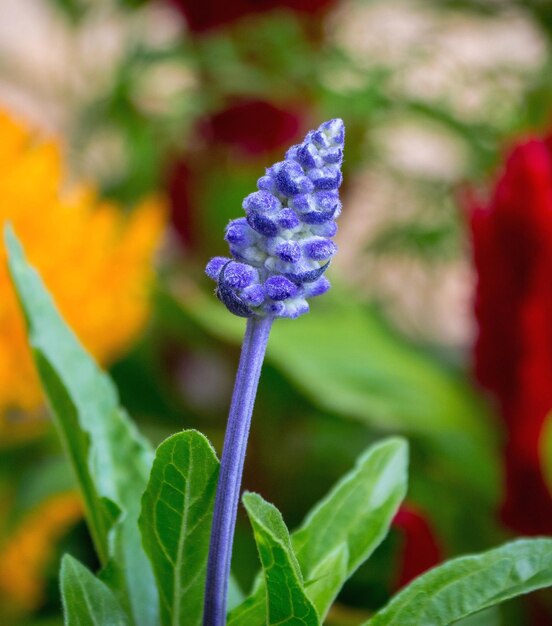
<point x="131" y="130"/>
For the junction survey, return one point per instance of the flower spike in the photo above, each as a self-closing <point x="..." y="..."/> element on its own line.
<point x="283" y="246"/>
<point x="280" y="251"/>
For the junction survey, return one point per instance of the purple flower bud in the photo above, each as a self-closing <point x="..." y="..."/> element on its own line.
<point x="333" y="156"/>
<point x="308" y="157"/>
<point x="335" y="129"/>
<point x="325" y="179"/>
<point x="262" y="224"/>
<point x="290" y="179"/>
<point x="326" y="229"/>
<point x="261" y="207"/>
<point x="253" y="295"/>
<point x="265" y="183"/>
<point x="261" y="202"/>
<point x="326" y="200"/>
<point x="317" y="288"/>
<point x="291" y="154"/>
<point x="251" y="255"/>
<point x="239" y="233"/>
<point x="317" y="208"/>
<point x="215" y="265"/>
<point x="238" y="275"/>
<point x="234" y="276"/>
<point x="287" y="219"/>
<point x="319" y="217"/>
<point x="303" y="203"/>
<point x="319" y="248"/>
<point x="320" y="139"/>
<point x="288" y="251"/>
<point x="279" y="288"/>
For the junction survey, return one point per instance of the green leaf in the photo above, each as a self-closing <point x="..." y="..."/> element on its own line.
<point x="111" y="460"/>
<point x="235" y="594"/>
<point x="327" y="576"/>
<point x="354" y="518"/>
<point x="487" y="617"/>
<point x="343" y="530"/>
<point x="469" y="584"/>
<point x="177" y="508"/>
<point x="286" y="600"/>
<point x="87" y="601"/>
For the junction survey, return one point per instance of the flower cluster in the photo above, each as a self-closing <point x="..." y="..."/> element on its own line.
<point x="512" y="248"/>
<point x="111" y="272"/>
<point x="283" y="246"/>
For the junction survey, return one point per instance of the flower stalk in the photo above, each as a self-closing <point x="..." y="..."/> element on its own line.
<point x="231" y="469"/>
<point x="280" y="252"/>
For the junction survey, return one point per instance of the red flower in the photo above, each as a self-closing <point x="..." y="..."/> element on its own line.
<point x="180" y="189"/>
<point x="204" y="15"/>
<point x="253" y="127"/>
<point x="512" y="249"/>
<point x="420" y="549"/>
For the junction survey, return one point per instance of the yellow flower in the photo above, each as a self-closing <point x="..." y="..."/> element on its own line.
<point x="27" y="553"/>
<point x="95" y="259"/>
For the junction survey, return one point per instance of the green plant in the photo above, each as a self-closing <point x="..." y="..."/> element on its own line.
<point x="149" y="515"/>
